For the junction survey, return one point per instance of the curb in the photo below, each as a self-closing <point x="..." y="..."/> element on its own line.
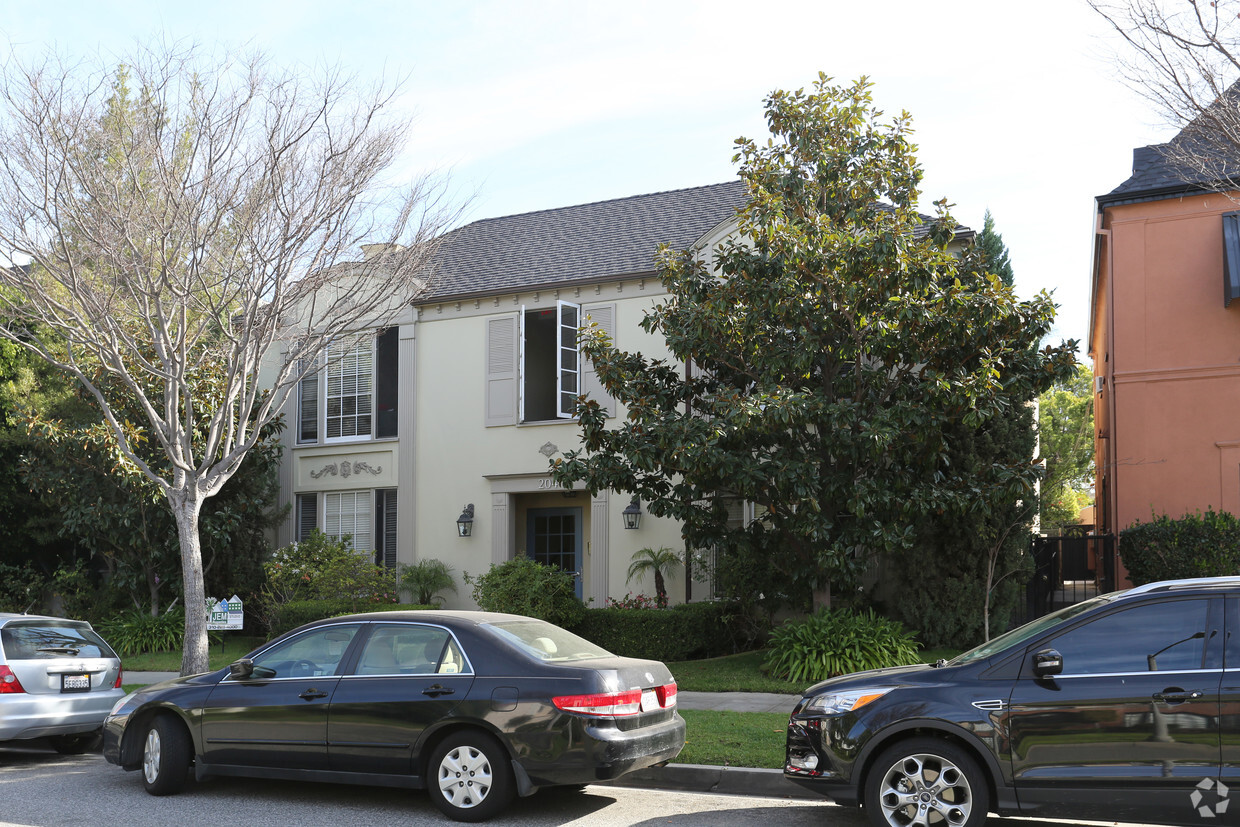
<point x="701" y="778"/>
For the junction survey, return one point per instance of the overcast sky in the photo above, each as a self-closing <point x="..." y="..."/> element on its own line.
<point x="536" y="105"/>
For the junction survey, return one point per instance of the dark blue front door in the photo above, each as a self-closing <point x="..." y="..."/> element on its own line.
<point x="553" y="538"/>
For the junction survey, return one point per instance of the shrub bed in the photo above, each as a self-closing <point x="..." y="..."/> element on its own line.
<point x="837" y="642"/>
<point x="523" y="587"/>
<point x="136" y="632"/>
<point x="684" y="632"/>
<point x="1195" y="545"/>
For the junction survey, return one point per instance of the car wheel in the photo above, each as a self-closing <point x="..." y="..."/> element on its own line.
<point x="468" y="776"/>
<point x="75" y="744"/>
<point x="165" y="756"/>
<point x="926" y="782"/>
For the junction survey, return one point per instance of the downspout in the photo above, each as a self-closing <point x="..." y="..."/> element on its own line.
<point x="1108" y="374"/>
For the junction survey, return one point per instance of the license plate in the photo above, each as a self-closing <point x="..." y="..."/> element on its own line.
<point x="649" y="700"/>
<point x="75" y="683"/>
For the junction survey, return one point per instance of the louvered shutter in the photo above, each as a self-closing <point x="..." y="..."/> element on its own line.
<point x="501" y="371"/>
<point x="605" y="316"/>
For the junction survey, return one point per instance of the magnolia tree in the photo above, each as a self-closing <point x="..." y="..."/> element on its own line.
<point x="184" y="220"/>
<point x="831" y="347"/>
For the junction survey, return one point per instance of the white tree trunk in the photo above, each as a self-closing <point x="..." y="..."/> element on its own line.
<point x="195" y="649"/>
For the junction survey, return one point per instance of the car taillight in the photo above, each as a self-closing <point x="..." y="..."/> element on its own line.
<point x="120" y="673"/>
<point x="617" y="704"/>
<point x="611" y="705"/>
<point x="9" y="684"/>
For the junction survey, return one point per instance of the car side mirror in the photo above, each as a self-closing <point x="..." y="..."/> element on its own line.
<point x="245" y="669"/>
<point x="241" y="669"/>
<point x="1046" y="663"/>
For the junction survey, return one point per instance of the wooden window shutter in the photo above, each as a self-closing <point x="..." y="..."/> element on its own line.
<point x="605" y="316"/>
<point x="501" y="371"/>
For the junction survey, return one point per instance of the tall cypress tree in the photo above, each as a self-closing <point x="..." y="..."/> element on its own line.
<point x="995" y="252"/>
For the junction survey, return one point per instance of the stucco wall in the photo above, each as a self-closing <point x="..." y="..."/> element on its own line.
<point x="504" y="469"/>
<point x="1170" y="436"/>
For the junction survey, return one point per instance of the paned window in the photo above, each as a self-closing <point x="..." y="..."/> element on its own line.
<point x="348" y="513"/>
<point x="356" y="395"/>
<point x="350" y="376"/>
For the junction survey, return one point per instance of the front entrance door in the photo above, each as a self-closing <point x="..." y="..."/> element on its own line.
<point x="553" y="538"/>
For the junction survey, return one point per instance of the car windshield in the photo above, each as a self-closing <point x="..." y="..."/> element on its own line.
<point x="1030" y="630"/>
<point x="547" y="642"/>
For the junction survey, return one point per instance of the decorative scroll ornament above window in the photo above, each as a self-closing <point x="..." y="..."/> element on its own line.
<point x="346" y="470"/>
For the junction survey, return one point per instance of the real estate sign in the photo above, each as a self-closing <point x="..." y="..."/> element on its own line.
<point x="224" y="615"/>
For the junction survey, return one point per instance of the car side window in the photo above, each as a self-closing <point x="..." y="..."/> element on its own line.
<point x="313" y="654"/>
<point x="1152" y="637"/>
<point x="408" y="649"/>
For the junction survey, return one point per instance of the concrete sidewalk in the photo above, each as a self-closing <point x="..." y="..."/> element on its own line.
<point x="681" y="777"/>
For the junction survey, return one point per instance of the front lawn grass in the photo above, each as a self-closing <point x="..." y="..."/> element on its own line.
<point x="733" y="739"/>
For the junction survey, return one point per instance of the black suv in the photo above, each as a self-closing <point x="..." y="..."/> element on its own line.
<point x="1122" y="708"/>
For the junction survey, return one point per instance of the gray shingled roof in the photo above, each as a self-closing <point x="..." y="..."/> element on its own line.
<point x="1154" y="174"/>
<point x="585" y="243"/>
<point x="588" y="243"/>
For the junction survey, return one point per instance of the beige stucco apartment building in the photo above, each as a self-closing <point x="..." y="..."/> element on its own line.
<point x="469" y="396"/>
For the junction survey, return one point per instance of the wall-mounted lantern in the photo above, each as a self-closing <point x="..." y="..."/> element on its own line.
<point x="632" y="514"/>
<point x="465" y="522"/>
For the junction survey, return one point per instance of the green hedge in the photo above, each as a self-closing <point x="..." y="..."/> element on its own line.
<point x="685" y="632"/>
<point x="1196" y="545"/>
<point x="296" y="612"/>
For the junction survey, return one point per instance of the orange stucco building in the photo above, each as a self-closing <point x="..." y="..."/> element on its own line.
<point x="1165" y="341"/>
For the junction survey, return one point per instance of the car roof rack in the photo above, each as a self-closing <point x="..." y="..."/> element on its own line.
<point x="1189" y="583"/>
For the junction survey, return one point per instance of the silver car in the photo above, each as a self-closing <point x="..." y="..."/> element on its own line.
<point x="58" y="680"/>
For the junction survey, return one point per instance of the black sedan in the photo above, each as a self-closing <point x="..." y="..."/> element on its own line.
<point x="474" y="707"/>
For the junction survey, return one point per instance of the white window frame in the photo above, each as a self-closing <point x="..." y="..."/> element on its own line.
<point x="361" y="348"/>
<point x="563" y="333"/>
<point x="567" y="342"/>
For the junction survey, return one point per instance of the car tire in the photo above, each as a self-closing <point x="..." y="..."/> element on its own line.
<point x="468" y="777"/>
<point x="75" y="744"/>
<point x="165" y="756"/>
<point x="912" y="781"/>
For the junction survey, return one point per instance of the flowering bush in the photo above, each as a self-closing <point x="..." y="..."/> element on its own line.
<point x="632" y="601"/>
<point x="324" y="568"/>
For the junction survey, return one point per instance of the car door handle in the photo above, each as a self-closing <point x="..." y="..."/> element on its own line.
<point x="1177" y="696"/>
<point x="312" y="694"/>
<point x="437" y="690"/>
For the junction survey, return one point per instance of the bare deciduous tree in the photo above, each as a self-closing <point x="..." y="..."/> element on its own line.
<point x="189" y="219"/>
<point x="1184" y="57"/>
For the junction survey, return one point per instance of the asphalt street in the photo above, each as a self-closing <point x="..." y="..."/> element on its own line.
<point x="39" y="788"/>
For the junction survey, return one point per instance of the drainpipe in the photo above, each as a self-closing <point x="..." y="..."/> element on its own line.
<point x="1108" y="373"/>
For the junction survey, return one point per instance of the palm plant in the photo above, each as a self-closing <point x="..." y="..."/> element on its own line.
<point x="657" y="561"/>
<point x="425" y="579"/>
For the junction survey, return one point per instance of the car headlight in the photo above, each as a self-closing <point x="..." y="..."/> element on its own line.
<point x="834" y="703"/>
